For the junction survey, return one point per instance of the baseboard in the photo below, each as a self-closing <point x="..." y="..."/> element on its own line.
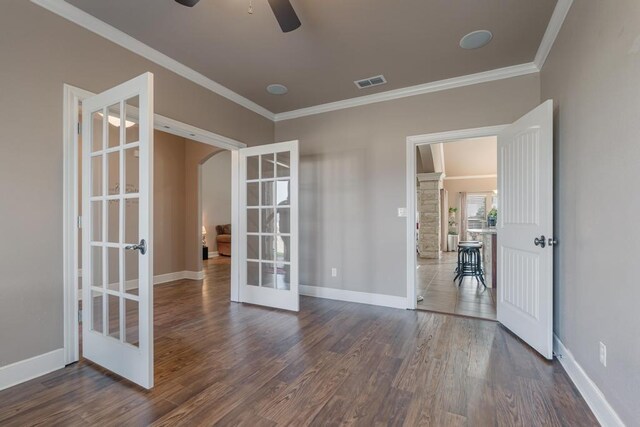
<point x="193" y="275"/>
<point x="163" y="278"/>
<point x="31" y="368"/>
<point x="603" y="411"/>
<point x="354" y="296"/>
<point x="178" y="275"/>
<point x="214" y="254"/>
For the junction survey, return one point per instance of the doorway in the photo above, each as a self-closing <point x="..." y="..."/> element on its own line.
<point x="128" y="153"/>
<point x="524" y="241"/>
<point x="117" y="171"/>
<point x="457" y="203"/>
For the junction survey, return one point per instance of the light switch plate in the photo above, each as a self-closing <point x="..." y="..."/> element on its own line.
<point x="402" y="212"/>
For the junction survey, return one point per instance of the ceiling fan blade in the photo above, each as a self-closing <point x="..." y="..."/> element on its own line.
<point x="189" y="3"/>
<point x="285" y="15"/>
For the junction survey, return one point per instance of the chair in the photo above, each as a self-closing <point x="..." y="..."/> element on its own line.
<point x="223" y="239"/>
<point x="469" y="262"/>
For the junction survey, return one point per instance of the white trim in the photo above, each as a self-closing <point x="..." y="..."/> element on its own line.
<point x="412" y="143"/>
<point x="437" y="86"/>
<point x="95" y="25"/>
<point x="553" y="29"/>
<point x="193" y="275"/>
<point x="430" y="176"/>
<point x="456" y="134"/>
<point x="164" y="278"/>
<point x="596" y="400"/>
<point x="178" y="275"/>
<point x="28" y="369"/>
<point x="70" y="247"/>
<point x="353" y="296"/>
<point x="213" y="254"/>
<point x="235" y="225"/>
<point x="471" y="177"/>
<point x="437" y="154"/>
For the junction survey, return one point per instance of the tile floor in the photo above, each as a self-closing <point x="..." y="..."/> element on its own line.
<point x="434" y="282"/>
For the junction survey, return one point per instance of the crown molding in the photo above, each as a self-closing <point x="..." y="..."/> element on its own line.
<point x="553" y="29"/>
<point x="454" y="178"/>
<point x="437" y="86"/>
<point x="93" y="24"/>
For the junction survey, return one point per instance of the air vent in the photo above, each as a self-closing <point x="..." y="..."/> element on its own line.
<point x="370" y="82"/>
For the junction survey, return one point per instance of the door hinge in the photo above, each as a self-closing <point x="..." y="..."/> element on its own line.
<point x="79" y="128"/>
<point x="79" y="222"/>
<point x="80" y="316"/>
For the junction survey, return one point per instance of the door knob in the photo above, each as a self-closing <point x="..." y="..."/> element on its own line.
<point x="142" y="247"/>
<point x="540" y="241"/>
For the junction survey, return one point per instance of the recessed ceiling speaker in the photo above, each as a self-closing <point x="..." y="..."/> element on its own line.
<point x="476" y="39"/>
<point x="277" y="89"/>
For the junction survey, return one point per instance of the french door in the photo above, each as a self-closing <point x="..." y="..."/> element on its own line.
<point x="268" y="229"/>
<point x="117" y="249"/>
<point x="525" y="228"/>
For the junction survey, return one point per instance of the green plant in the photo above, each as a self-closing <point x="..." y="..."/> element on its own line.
<point x="453" y="210"/>
<point x="493" y="213"/>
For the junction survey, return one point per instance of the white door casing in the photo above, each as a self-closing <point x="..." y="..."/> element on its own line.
<point x="525" y="257"/>
<point x="268" y="229"/>
<point x="117" y="200"/>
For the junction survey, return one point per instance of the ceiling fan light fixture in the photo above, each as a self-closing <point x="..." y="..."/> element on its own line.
<point x="476" y="39"/>
<point x="277" y="89"/>
<point x="188" y="3"/>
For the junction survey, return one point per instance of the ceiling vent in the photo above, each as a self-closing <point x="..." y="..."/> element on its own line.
<point x="370" y="82"/>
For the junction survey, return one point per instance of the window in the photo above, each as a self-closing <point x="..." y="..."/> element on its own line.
<point x="476" y="211"/>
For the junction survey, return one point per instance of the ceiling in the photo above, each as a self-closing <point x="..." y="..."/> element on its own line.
<point x="471" y="157"/>
<point x="410" y="42"/>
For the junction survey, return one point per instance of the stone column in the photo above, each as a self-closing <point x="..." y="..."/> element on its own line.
<point x="429" y="212"/>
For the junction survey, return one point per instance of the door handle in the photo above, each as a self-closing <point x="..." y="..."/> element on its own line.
<point x="540" y="241"/>
<point x="552" y="241"/>
<point x="142" y="247"/>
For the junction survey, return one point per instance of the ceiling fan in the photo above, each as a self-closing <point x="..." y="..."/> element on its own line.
<point x="282" y="9"/>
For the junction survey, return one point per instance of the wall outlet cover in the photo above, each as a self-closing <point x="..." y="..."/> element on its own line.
<point x="402" y="212"/>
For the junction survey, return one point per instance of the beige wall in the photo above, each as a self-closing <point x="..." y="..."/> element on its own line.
<point x="216" y="195"/>
<point x="168" y="204"/>
<point x="41" y="51"/>
<point x="194" y="155"/>
<point x="352" y="177"/>
<point x="593" y="75"/>
<point x="475" y="185"/>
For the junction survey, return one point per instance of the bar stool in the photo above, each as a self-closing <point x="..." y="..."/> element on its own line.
<point x="461" y="246"/>
<point x="469" y="262"/>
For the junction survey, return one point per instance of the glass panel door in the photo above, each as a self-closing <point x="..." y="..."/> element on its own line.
<point x="117" y="298"/>
<point x="268" y="225"/>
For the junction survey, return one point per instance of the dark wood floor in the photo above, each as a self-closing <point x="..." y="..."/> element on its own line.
<point x="332" y="363"/>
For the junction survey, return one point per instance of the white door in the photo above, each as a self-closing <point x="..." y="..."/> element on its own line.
<point x="268" y="235"/>
<point x="525" y="227"/>
<point x="117" y="249"/>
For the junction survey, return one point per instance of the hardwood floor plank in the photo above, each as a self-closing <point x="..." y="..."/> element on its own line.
<point x="333" y="363"/>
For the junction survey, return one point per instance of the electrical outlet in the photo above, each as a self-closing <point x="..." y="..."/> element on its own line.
<point x="334" y="272"/>
<point x="402" y="212"/>
<point x="603" y="354"/>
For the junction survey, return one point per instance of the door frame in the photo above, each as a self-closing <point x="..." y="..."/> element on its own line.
<point x="72" y="96"/>
<point x="412" y="144"/>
